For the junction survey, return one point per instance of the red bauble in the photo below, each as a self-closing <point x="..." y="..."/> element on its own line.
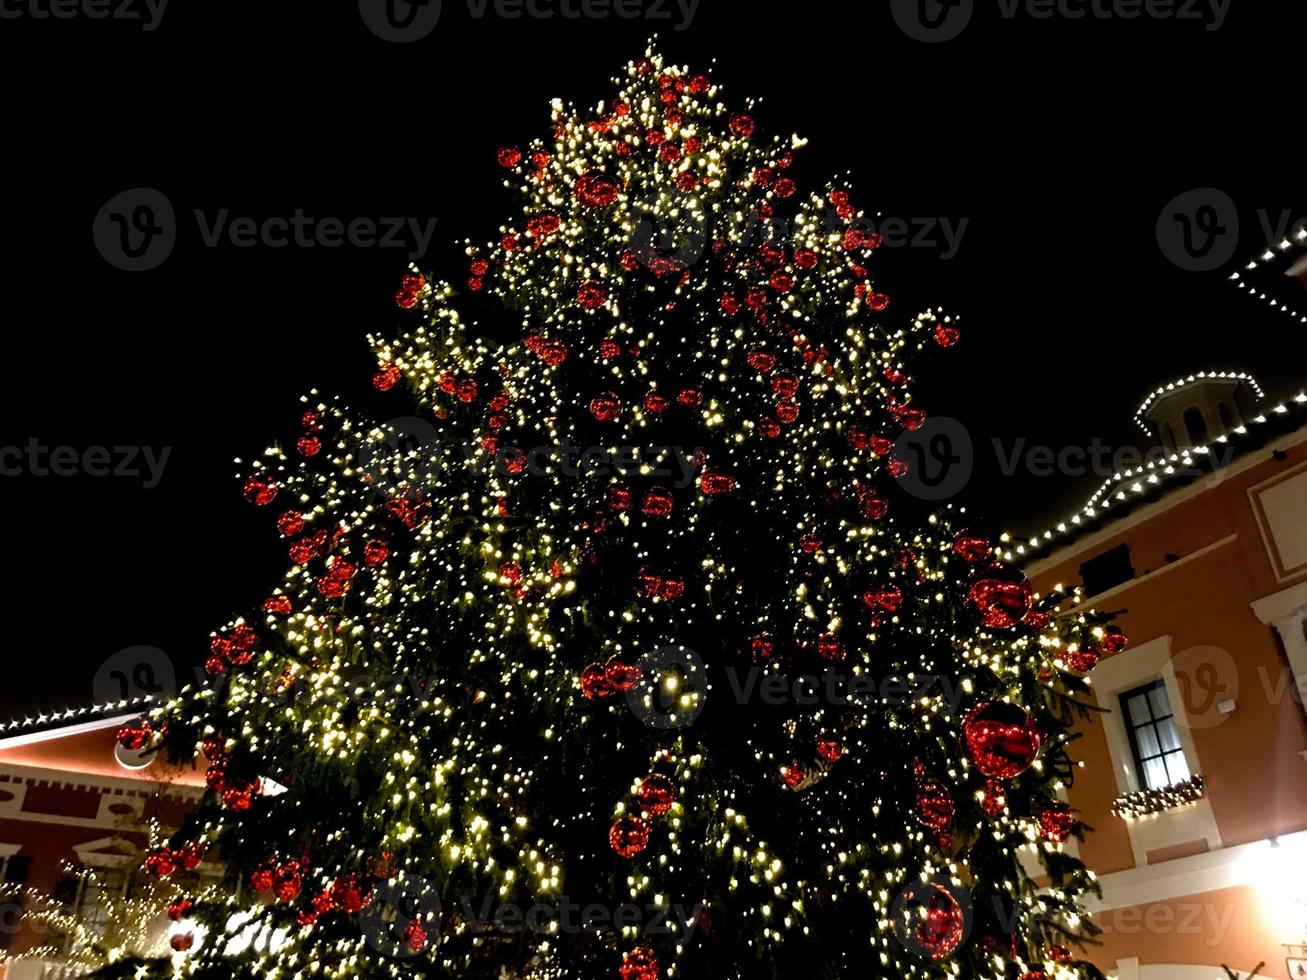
<point x="689" y="397"/>
<point x="657" y="794"/>
<point x="386" y="377"/>
<point x="259" y="490"/>
<point x="787" y="412"/>
<point x="1082" y="661"/>
<point x="594" y="682"/>
<point x="793" y="774"/>
<point x="290" y="523"/>
<point x="542" y="225"/>
<point x="605" y="406"/>
<point x="308" y="445"/>
<point x="619" y="497"/>
<point x="182" y="942"/>
<point x="628" y="836"/>
<point x="940" y="932"/>
<point x="415" y="936"/>
<point x="947" y="336"/>
<point x="1002" y="739"/>
<point x="1002" y="604"/>
<point x="715" y="483"/>
<point x="888" y="598"/>
<point x="595" y="191"/>
<point x="135" y="735"/>
<point x="179" y="909"/>
<point x="656" y="403"/>
<point x="657" y="502"/>
<point x="934" y="805"/>
<point x="762" y="646"/>
<point x="785" y="386"/>
<point x="375" y="552"/>
<point x="1114" y="639"/>
<point x="639" y="964"/>
<point x="830" y="648"/>
<point x="288" y="883"/>
<point x="743" y="125"/>
<point x="262" y="879"/>
<point x="592" y="295"/>
<point x="509" y="156"/>
<point x="829" y="749"/>
<point x="161" y="862"/>
<point x="621" y="675"/>
<point x="1056" y="821"/>
<point x="769" y="428"/>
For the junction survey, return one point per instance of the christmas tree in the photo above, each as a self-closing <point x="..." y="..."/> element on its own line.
<point x="621" y="651"/>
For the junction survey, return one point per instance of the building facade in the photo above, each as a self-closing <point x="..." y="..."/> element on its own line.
<point x="1194" y="775"/>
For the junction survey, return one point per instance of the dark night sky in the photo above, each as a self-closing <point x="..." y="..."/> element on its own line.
<point x="1059" y="141"/>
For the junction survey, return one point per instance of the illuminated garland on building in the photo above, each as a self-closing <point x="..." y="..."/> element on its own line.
<point x="457" y="686"/>
<point x="1133" y="806"/>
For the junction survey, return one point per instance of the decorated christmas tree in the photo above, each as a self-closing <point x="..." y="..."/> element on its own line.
<point x="621" y="650"/>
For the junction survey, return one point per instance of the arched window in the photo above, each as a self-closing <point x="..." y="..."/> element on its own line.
<point x="1196" y="426"/>
<point x="1168" y="436"/>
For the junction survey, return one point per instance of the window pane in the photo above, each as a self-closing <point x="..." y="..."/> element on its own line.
<point x="1161" y="706"/>
<point x="1155" y="774"/>
<point x="1138" y="708"/>
<point x="1147" y="739"/>
<point x="1167" y="734"/>
<point x="1176" y="766"/>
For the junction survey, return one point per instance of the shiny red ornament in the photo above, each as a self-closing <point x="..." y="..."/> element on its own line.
<point x="781" y="282"/>
<point x="508" y="156"/>
<point x="639" y="964"/>
<point x="290" y="523"/>
<point x="716" y="483"/>
<point x="594" y="682"/>
<point x="810" y="544"/>
<point x="1114" y="639"/>
<point x="135" y="735"/>
<point x="1002" y="604"/>
<point x="805" y="258"/>
<point x="308" y="445"/>
<point x="785" y="386"/>
<point x="415" y="936"/>
<point x="161" y="862"/>
<point x="762" y="646"/>
<point x="259" y="490"/>
<point x="596" y="191"/>
<point x="410" y="287"/>
<point x="934" y="805"/>
<point x="971" y="549"/>
<point x="888" y="598"/>
<point x="288" y="883"/>
<point x="657" y="793"/>
<point x="941" y="930"/>
<point x="592" y="295"/>
<point x="605" y="406"/>
<point x="830" y="648"/>
<point x="1001" y="738"/>
<point x="386" y="377"/>
<point x="262" y="879"/>
<point x="878" y="301"/>
<point x="542" y="225"/>
<point x="787" y="412"/>
<point x="829" y="749"/>
<point x="761" y="361"/>
<point x="689" y="397"/>
<point x="1056" y="821"/>
<point x="657" y="502"/>
<point x="769" y="428"/>
<point x="742" y="125"/>
<point x="609" y="349"/>
<point x="182" y="942"/>
<point x="946" y="336"/>
<point x="619" y="497"/>
<point x="1059" y="954"/>
<point x="1037" y="620"/>
<point x="656" y="403"/>
<point x="785" y="187"/>
<point x="793" y="774"/>
<point x="621" y="675"/>
<point x="375" y="551"/>
<point x="179" y="908"/>
<point x="628" y="836"/>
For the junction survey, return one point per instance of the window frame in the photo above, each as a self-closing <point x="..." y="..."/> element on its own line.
<point x="1154" y="721"/>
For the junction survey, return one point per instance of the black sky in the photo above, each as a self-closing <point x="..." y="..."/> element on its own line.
<point x="1060" y="142"/>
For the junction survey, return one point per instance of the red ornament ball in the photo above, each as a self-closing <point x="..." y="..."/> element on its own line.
<point x="605" y="406"/>
<point x="182" y="942"/>
<point x="1114" y="639"/>
<point x="259" y="490"/>
<point x="639" y="964"/>
<point x="594" y="682"/>
<point x="829" y="749"/>
<point x="934" y="805"/>
<point x="1056" y="821"/>
<point x="657" y="794"/>
<point x="415" y="936"/>
<point x="1002" y="739"/>
<point x="628" y="836"/>
<point x="941" y="930"/>
<point x="621" y="675"/>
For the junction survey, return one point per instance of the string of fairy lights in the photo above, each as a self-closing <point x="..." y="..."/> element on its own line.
<point x="441" y="689"/>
